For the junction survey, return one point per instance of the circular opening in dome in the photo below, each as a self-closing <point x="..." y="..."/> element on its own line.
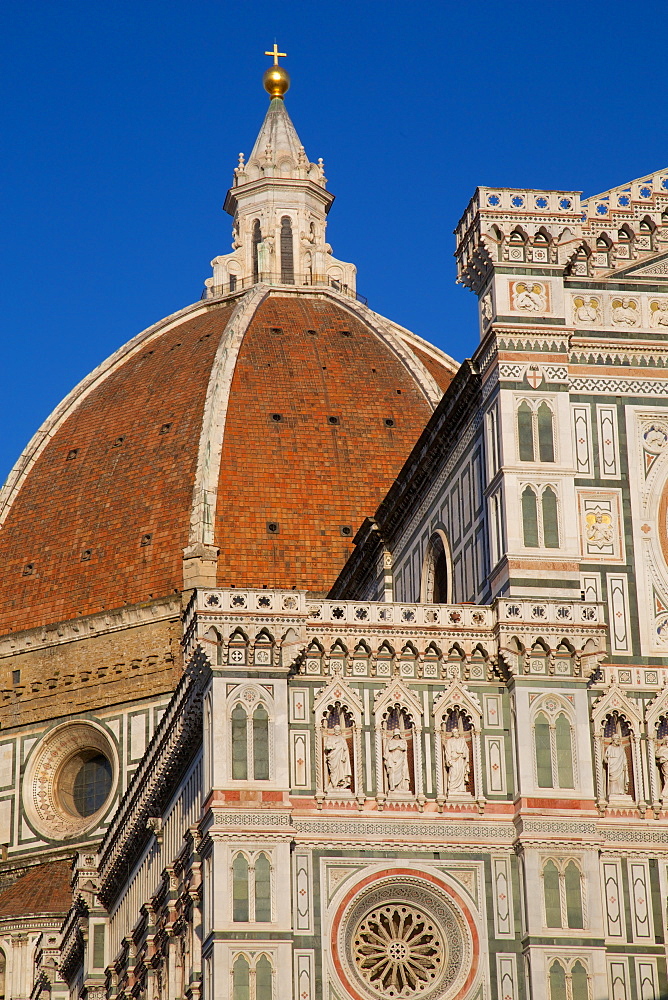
<point x="84" y="783"/>
<point x="389" y="422"/>
<point x="276" y="417"/>
<point x="333" y="420"/>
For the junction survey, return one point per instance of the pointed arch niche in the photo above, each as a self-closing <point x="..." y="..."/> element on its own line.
<point x="617" y="725"/>
<point x="338" y="730"/>
<point x="656" y="722"/>
<point x="398" y="715"/>
<point x="457" y="725"/>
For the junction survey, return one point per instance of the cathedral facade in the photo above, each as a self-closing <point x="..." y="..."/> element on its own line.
<point x="339" y="670"/>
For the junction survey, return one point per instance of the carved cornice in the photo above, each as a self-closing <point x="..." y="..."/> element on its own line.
<point x="87" y="626"/>
<point x="164" y="763"/>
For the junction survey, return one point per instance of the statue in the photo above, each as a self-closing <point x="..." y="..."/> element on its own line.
<point x="395" y="755"/>
<point x="617" y="767"/>
<point x="662" y="761"/>
<point x="456" y="751"/>
<point x="337" y="756"/>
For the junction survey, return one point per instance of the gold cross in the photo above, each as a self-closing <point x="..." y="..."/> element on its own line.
<point x="275" y="53"/>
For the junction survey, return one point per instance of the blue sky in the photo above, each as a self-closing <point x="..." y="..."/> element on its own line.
<point x="122" y="121"/>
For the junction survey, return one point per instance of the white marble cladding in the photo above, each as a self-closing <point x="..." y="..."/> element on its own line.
<point x="288" y="621"/>
<point x="553" y="228"/>
<point x="297" y="603"/>
<point x="624" y="200"/>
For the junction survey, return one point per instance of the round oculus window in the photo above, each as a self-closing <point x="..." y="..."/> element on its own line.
<point x="70" y="780"/>
<point x="84" y="783"/>
<point x="404" y="937"/>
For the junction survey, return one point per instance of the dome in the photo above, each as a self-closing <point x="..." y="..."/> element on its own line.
<point x="238" y="442"/>
<point x="41" y="889"/>
<point x="265" y="425"/>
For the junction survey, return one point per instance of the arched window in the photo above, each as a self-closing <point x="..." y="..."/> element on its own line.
<point x="552" y="895"/>
<point x="435" y="572"/>
<point x="564" y="742"/>
<point x="562" y="893"/>
<point x="535" y="431"/>
<point x="530" y="517"/>
<point x="241" y="979"/>
<point x="250" y="741"/>
<point x="554" y="749"/>
<point x="240" y="895"/>
<point x="262" y="889"/>
<point x="287" y="252"/>
<point x="263" y="979"/>
<point x="525" y="432"/>
<point x="545" y="434"/>
<point x="543" y="751"/>
<point x="213" y="637"/>
<point x="260" y="744"/>
<point x="239" y="743"/>
<point x="557" y="980"/>
<point x="550" y="519"/>
<point x="3" y="974"/>
<point x="579" y="982"/>
<point x="573" y="891"/>
<point x="256" y="239"/>
<point x="251" y="889"/>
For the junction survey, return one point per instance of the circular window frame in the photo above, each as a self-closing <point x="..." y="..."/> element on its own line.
<point x="445" y="907"/>
<point x="44" y="807"/>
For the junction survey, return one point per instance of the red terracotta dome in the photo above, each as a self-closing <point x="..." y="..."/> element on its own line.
<point x="265" y="424"/>
<point x="42" y="889"/>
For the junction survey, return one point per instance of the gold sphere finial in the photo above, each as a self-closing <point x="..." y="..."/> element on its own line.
<point x="276" y="79"/>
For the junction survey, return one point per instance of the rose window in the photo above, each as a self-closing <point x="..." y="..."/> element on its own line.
<point x="404" y="936"/>
<point x="398" y="951"/>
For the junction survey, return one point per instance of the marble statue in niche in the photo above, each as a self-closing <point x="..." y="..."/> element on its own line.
<point x="395" y="756"/>
<point x="662" y="762"/>
<point x="616" y="767"/>
<point x="337" y="757"/>
<point x="456" y="754"/>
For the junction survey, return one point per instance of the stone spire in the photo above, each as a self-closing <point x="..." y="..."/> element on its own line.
<point x="279" y="202"/>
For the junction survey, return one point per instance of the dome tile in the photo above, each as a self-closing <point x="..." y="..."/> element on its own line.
<point x="42" y="889"/>
<point x="310" y="476"/>
<point x="107" y="497"/>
